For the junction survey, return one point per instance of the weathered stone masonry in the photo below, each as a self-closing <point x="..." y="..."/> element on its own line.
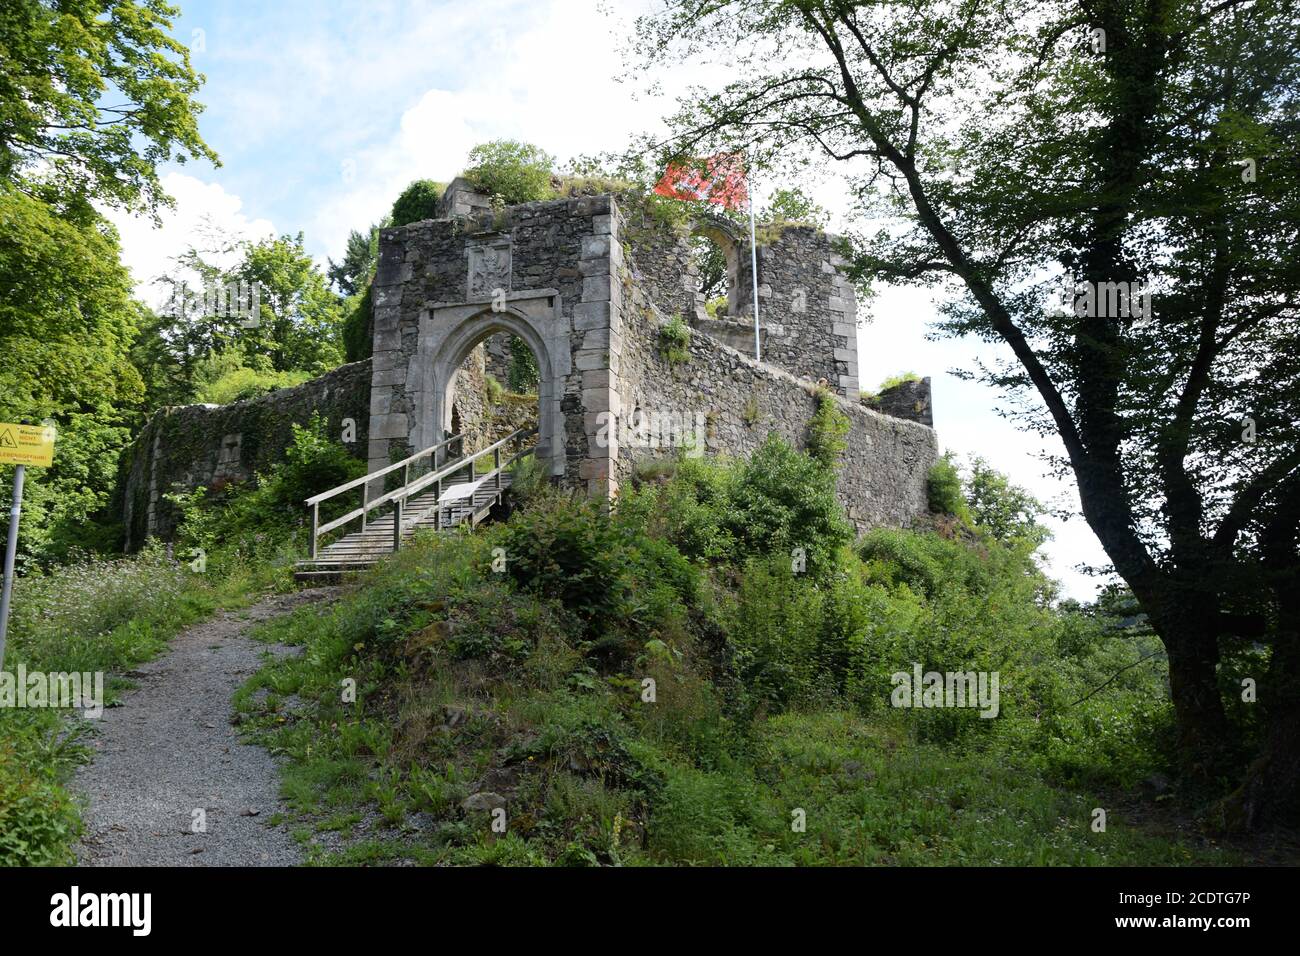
<point x="587" y="283"/>
<point x="188" y="446"/>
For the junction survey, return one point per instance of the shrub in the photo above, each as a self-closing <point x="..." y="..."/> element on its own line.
<point x="826" y="431"/>
<point x="944" y="489"/>
<point x="568" y="550"/>
<point x="781" y="499"/>
<point x="417" y="202"/>
<point x="675" y="341"/>
<point x="511" y="171"/>
<point x="689" y="511"/>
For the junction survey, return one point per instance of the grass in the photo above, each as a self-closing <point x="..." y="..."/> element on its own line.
<point x="593" y="775"/>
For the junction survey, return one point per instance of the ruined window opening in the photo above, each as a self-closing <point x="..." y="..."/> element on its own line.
<point x="714" y="256"/>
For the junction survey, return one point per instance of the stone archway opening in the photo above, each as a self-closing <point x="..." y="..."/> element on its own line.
<point x="454" y="388"/>
<point x="494" y="392"/>
<point x="716" y="259"/>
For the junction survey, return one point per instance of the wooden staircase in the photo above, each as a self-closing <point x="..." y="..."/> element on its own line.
<point x="450" y="494"/>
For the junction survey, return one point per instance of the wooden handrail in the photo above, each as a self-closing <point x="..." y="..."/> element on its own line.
<point x="380" y="472"/>
<point x="399" y="495"/>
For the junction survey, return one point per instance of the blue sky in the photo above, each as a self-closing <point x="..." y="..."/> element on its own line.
<point x="323" y="111"/>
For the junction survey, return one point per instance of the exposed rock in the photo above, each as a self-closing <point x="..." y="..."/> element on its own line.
<point x="483" y="801"/>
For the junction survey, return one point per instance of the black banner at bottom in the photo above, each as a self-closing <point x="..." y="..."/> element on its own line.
<point x="336" y="905"/>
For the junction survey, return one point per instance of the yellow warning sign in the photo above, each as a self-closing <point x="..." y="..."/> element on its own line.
<point x="26" y="445"/>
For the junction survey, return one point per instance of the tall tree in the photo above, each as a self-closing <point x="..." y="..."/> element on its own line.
<point x="1139" y="155"/>
<point x="94" y="96"/>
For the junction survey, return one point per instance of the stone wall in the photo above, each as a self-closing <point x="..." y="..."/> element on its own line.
<point x="807" y="307"/>
<point x="187" y="446"/>
<point x="538" y="270"/>
<point x="722" y="401"/>
<point x="908" y="399"/>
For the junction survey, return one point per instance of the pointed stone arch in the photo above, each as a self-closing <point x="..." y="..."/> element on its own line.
<point x="449" y="332"/>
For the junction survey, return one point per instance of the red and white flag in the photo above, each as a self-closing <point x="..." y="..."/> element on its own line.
<point x="718" y="179"/>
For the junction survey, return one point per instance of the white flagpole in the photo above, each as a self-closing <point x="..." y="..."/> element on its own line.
<point x="753" y="264"/>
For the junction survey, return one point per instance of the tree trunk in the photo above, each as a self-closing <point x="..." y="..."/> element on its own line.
<point x="1270" y="795"/>
<point x="1204" y="737"/>
<point x="1186" y="621"/>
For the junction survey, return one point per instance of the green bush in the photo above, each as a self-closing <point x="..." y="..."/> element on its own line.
<point x="944" y="489"/>
<point x="222" y="378"/>
<point x="511" y="171"/>
<point x="675" y="341"/>
<point x="827" y="430"/>
<point x="569" y="551"/>
<point x="418" y="201"/>
<point x="780" y="500"/>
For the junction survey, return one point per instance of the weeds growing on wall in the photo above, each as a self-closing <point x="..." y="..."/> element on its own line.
<point x="675" y="341"/>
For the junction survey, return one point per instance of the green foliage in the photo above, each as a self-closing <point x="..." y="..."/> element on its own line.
<point x="360" y="259"/>
<point x="66" y="324"/>
<point x="827" y="430"/>
<point x="523" y="374"/>
<point x="796" y="207"/>
<point x="418" y="201"/>
<point x="775" y="502"/>
<point x="222" y="378"/>
<point x="256" y="521"/>
<point x="711" y="264"/>
<point x="298" y="326"/>
<point x="781" y="499"/>
<point x="1006" y="511"/>
<point x="511" y="171"/>
<point x="612" y="582"/>
<point x="95" y="97"/>
<point x="773" y="692"/>
<point x="893" y="381"/>
<point x="675" y="340"/>
<point x="944" y="488"/>
<point x="358" y="327"/>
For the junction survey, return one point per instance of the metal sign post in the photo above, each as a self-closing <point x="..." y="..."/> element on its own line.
<point x="20" y="445"/>
<point x="11" y="552"/>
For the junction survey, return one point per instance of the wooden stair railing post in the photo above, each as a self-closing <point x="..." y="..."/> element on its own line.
<point x="315" y="523"/>
<point x="365" y="500"/>
<point x="397" y="524"/>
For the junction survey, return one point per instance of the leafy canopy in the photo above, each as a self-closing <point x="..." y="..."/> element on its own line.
<point x="95" y="95"/>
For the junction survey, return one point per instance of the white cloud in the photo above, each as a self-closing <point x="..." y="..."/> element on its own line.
<point x="204" y="213"/>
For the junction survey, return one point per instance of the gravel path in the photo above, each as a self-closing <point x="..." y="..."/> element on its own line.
<point x="170" y="749"/>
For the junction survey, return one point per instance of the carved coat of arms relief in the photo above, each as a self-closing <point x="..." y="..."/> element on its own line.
<point x="489" y="268"/>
